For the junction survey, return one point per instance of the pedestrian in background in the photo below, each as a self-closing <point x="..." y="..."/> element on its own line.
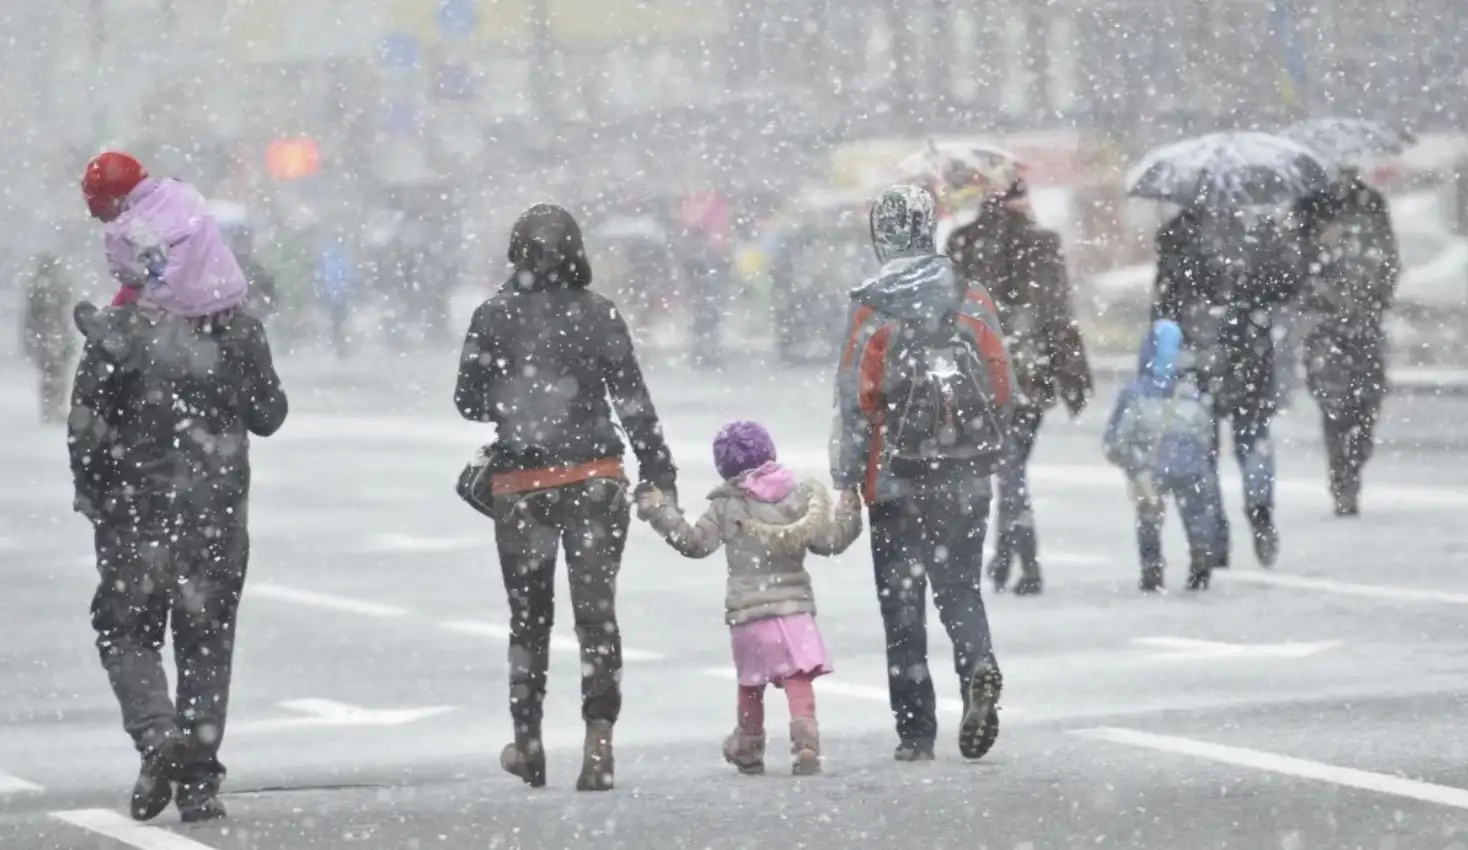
<point x="46" y="334"/>
<point x="1161" y="435"/>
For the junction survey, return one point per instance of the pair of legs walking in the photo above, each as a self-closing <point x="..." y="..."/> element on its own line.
<point x="745" y="749"/>
<point x="1198" y="503"/>
<point x="185" y="576"/>
<point x="935" y="536"/>
<point x="1347" y="377"/>
<point x="1249" y="425"/>
<point x="1017" y="539"/>
<point x="588" y="522"/>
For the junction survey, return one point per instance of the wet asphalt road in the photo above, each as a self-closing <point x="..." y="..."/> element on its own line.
<point x="1319" y="706"/>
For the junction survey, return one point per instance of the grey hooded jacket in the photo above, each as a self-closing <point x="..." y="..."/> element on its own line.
<point x="765" y="543"/>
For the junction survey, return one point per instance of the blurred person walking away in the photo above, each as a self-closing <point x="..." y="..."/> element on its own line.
<point x="170" y="387"/>
<point x="707" y="267"/>
<point x="547" y="361"/>
<point x="1352" y="267"/>
<point x="337" y="281"/>
<point x="46" y="334"/>
<point x="922" y="395"/>
<point x="1161" y="434"/>
<point x="766" y="523"/>
<point x="1023" y="266"/>
<point x="1222" y="293"/>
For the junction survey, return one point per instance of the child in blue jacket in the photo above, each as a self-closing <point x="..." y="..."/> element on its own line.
<point x="1161" y="435"/>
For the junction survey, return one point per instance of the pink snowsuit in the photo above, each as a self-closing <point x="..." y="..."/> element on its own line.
<point x="166" y="244"/>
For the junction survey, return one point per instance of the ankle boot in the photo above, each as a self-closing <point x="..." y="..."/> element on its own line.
<point x="746" y="752"/>
<point x="1200" y="570"/>
<point x="525" y="758"/>
<point x="805" y="746"/>
<point x="597" y="763"/>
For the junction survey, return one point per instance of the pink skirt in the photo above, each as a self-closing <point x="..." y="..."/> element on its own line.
<point x="775" y="648"/>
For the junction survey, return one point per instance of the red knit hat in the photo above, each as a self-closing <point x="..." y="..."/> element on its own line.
<point x="108" y="179"/>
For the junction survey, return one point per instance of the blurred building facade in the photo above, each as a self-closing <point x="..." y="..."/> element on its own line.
<point x="527" y="97"/>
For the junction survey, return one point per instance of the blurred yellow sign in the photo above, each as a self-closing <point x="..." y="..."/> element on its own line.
<point x="572" y="22"/>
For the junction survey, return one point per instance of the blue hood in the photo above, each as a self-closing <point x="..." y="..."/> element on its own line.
<point x="1157" y="361"/>
<point x="922" y="287"/>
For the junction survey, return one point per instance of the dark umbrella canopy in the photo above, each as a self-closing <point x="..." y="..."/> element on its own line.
<point x="1229" y="170"/>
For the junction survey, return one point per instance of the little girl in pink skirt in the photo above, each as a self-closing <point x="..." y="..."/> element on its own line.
<point x="766" y="524"/>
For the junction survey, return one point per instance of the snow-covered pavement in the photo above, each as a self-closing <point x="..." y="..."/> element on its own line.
<point x="1315" y="706"/>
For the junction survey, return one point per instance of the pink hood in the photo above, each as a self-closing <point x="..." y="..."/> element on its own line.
<point x="768" y="483"/>
<point x="166" y="242"/>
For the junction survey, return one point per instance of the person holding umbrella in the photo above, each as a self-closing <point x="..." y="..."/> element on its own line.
<point x="1221" y="295"/>
<point x="1352" y="267"/>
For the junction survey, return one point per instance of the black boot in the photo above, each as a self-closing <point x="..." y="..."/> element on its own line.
<point x="1266" y="535"/>
<point x="1346" y="492"/>
<point x="1030" y="583"/>
<point x="999" y="565"/>
<point x="1151" y="579"/>
<point x="1200" y="571"/>
<point x="979" y="728"/>
<point x="525" y="758"/>
<point x="914" y="749"/>
<point x="153" y="790"/>
<point x="198" y="801"/>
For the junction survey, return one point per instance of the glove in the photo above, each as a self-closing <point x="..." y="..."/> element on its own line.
<point x="87" y="508"/>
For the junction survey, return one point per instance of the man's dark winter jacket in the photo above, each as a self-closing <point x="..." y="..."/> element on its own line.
<point x="162" y="412"/>
<point x="548" y="361"/>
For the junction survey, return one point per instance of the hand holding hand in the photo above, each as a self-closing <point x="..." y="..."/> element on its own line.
<point x="649" y="500"/>
<point x="849" y="502"/>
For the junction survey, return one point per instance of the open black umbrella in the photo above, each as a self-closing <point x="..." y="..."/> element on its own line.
<point x="1229" y="170"/>
<point x="1350" y="141"/>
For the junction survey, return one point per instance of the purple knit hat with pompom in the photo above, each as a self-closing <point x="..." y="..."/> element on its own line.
<point x="740" y="446"/>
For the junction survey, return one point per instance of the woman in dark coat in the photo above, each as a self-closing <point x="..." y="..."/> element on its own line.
<point x="547" y="361"/>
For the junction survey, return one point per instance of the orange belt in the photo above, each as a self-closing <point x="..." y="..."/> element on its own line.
<point x="526" y="480"/>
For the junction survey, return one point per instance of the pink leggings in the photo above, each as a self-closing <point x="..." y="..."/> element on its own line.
<point x="798" y="691"/>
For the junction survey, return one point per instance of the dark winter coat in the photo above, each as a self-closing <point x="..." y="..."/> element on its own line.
<point x="1221" y="281"/>
<point x="1353" y="266"/>
<point x="46" y="335"/>
<point x="547" y="361"/>
<point x="162" y="412"/>
<point x="1023" y="267"/>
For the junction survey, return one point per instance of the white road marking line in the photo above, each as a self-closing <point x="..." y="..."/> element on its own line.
<point x="1325" y="585"/>
<point x="323" y="600"/>
<point x="419" y="543"/>
<point x="1190" y="649"/>
<point x="15" y="785"/>
<point x="118" y="828"/>
<point x="1287" y="765"/>
<point x="559" y="643"/>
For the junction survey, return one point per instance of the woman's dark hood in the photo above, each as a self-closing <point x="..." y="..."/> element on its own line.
<point x="547" y="251"/>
